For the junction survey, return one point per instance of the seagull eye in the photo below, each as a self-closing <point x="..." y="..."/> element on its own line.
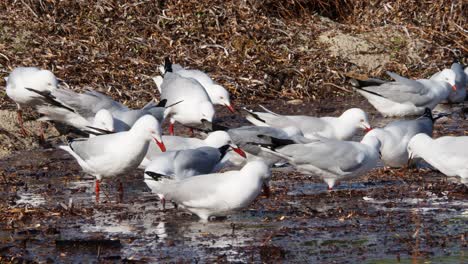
<point x="362" y="120"/>
<point x="221" y="97"/>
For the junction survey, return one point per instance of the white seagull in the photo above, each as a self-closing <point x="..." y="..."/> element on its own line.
<point x="195" y="105"/>
<point x="330" y="159"/>
<point x="182" y="164"/>
<point x="396" y="135"/>
<point x="215" y="139"/>
<point x="461" y="82"/>
<point x="404" y="97"/>
<point x="82" y="107"/>
<point x="110" y="155"/>
<point x="21" y="82"/>
<point x="447" y="154"/>
<point x="217" y="194"/>
<point x="343" y="127"/>
<point x="217" y="93"/>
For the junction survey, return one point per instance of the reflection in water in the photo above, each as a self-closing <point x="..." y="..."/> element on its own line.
<point x="30" y="199"/>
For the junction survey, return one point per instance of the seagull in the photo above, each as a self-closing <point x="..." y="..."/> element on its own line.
<point x="215" y="139"/>
<point x="216" y="194"/>
<point x="461" y="82"/>
<point x="247" y="139"/>
<point x="182" y="164"/>
<point x="110" y="155"/>
<point x="395" y="136"/>
<point x="101" y="123"/>
<point x="195" y="105"/>
<point x="447" y="154"/>
<point x="329" y="159"/>
<point x="342" y="128"/>
<point x="22" y="80"/>
<point x="84" y="106"/>
<point x="404" y="97"/>
<point x="217" y="93"/>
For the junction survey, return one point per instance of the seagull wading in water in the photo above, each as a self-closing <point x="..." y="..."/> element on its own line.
<point x="215" y="139"/>
<point x="111" y="155"/>
<point x="182" y="164"/>
<point x="330" y="159"/>
<point x="396" y="135"/>
<point x="217" y="194"/>
<point x="447" y="154"/>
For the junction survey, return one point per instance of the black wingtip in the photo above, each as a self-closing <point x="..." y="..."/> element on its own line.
<point x="167" y="65"/>
<point x="254" y="115"/>
<point x="99" y="131"/>
<point x="155" y="176"/>
<point x="439" y="116"/>
<point x="211" y="126"/>
<point x="428" y="113"/>
<point x="223" y="150"/>
<point x="371" y="92"/>
<point x="366" y="83"/>
<point x="162" y="103"/>
<point x="276" y="142"/>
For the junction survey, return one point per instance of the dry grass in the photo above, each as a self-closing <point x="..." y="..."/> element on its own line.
<point x="257" y="49"/>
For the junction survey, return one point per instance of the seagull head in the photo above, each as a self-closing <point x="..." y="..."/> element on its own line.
<point x="148" y="127"/>
<point x="104" y="120"/>
<point x="220" y="96"/>
<point x="449" y="76"/>
<point x="357" y="118"/>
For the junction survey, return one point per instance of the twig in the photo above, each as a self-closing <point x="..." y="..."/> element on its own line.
<point x="339" y="87"/>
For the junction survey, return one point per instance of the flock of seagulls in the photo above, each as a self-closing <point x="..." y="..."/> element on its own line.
<point x="186" y="170"/>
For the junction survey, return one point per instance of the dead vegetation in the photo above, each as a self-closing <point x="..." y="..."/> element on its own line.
<point x="257" y="49"/>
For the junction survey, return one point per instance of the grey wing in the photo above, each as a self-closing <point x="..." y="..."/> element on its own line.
<point x="249" y="134"/>
<point x="327" y="154"/>
<point x="411" y="127"/>
<point x="96" y="146"/>
<point x="401" y="93"/>
<point x="87" y="104"/>
<point x="200" y="161"/>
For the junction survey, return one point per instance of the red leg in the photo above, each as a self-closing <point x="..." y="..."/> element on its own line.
<point x="97" y="191"/>
<point x="330" y="189"/>
<point x="19" y="114"/>
<point x="191" y="132"/>
<point x="171" y="129"/>
<point x="163" y="201"/>
<point x="121" y="191"/>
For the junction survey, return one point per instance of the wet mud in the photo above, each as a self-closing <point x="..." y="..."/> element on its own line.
<point x="48" y="213"/>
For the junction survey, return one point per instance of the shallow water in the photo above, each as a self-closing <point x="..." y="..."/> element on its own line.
<point x="48" y="213"/>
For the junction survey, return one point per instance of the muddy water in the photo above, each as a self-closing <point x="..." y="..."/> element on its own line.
<point x="48" y="213"/>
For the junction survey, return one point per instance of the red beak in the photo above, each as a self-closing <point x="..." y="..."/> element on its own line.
<point x="266" y="190"/>
<point x="160" y="145"/>
<point x="454" y="87"/>
<point x="367" y="129"/>
<point x="240" y="152"/>
<point x="231" y="108"/>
